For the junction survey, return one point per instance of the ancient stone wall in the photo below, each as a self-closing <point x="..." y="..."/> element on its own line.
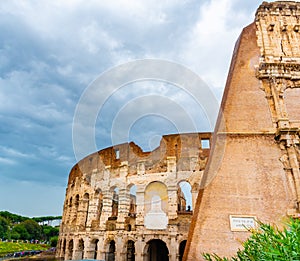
<point x="125" y="204"/>
<point x="253" y="170"/>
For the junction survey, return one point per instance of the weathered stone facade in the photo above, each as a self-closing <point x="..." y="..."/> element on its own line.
<point x="125" y="204"/>
<point x="252" y="171"/>
<point x="257" y="134"/>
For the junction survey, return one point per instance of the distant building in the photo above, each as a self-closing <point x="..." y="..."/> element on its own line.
<point x="52" y="223"/>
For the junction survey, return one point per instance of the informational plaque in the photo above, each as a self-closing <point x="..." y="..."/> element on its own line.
<point x="242" y="223"/>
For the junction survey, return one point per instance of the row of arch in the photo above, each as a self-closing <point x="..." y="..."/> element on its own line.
<point x="155" y="250"/>
<point x="80" y="205"/>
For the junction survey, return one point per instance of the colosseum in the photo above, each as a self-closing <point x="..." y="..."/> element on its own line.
<point x="125" y="204"/>
<point x="202" y="192"/>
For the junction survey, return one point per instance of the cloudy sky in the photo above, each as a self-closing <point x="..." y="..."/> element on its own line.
<point x="51" y="52"/>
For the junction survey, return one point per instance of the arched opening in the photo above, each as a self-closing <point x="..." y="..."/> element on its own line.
<point x="63" y="249"/>
<point x="75" y="211"/>
<point x="129" y="227"/>
<point x="70" y="250"/>
<point x="85" y="207"/>
<point x="130" y="255"/>
<point x="181" y="249"/>
<point x="115" y="203"/>
<point x="70" y="211"/>
<point x="99" y="197"/>
<point x="156" y="250"/>
<point x="159" y="189"/>
<point x="156" y="206"/>
<point x="184" y="197"/>
<point x="80" y="249"/>
<point x="94" y="246"/>
<point x="110" y="255"/>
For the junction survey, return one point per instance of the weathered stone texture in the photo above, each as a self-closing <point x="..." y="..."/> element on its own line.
<point x="258" y="135"/>
<point x="104" y="219"/>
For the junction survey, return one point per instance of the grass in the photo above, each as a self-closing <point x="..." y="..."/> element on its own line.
<point x="10" y="247"/>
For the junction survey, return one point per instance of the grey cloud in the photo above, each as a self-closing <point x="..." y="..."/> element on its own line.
<point x="50" y="51"/>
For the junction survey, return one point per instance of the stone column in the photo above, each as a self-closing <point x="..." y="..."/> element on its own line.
<point x="172" y="201"/>
<point x="141" y="167"/>
<point x="140" y="206"/>
<point x="77" y="253"/>
<point x="101" y="248"/>
<point x="119" y="254"/>
<point x="194" y="197"/>
<point x="59" y="247"/>
<point x="124" y="169"/>
<point x="87" y="248"/>
<point x="68" y="255"/>
<point x="139" y="249"/>
<point x="294" y="166"/>
<point x="82" y="214"/>
<point x="106" y="211"/>
<point x="123" y="207"/>
<point x="173" y="248"/>
<point x="92" y="211"/>
<point x="73" y="214"/>
<point x="171" y="164"/>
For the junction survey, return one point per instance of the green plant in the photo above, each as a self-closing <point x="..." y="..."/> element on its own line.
<point x="53" y="241"/>
<point x="3" y="227"/>
<point x="10" y="247"/>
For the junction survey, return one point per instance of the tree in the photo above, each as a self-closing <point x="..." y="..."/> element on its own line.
<point x="53" y="241"/>
<point x="27" y="230"/>
<point x="3" y="227"/>
<point x="19" y="232"/>
<point x="46" y="219"/>
<point x="33" y="228"/>
<point x="268" y="243"/>
<point x="13" y="226"/>
<point x="49" y="232"/>
<point x="13" y="218"/>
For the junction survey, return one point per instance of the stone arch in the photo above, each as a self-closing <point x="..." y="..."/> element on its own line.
<point x="130" y="250"/>
<point x="59" y="246"/>
<point x="85" y="208"/>
<point x="69" y="209"/>
<point x="75" y="208"/>
<point x="181" y="249"/>
<point x="63" y="248"/>
<point x="111" y="250"/>
<point x="156" y="188"/>
<point x="132" y="199"/>
<point x="94" y="248"/>
<point x="69" y="255"/>
<point x="99" y="198"/>
<point x="156" y="206"/>
<point x="156" y="250"/>
<point x="86" y="196"/>
<point x="77" y="198"/>
<point x="80" y="249"/>
<point x="114" y="202"/>
<point x="184" y="196"/>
